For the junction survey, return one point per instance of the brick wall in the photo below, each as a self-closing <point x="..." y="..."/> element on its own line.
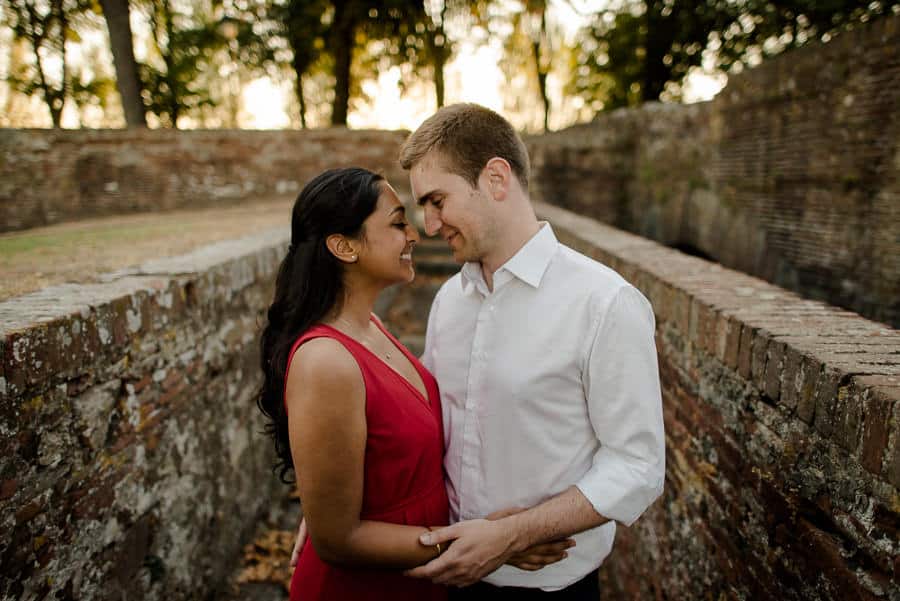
<point x="131" y="460"/>
<point x="782" y="437"/>
<point x="51" y="176"/>
<point x="792" y="173"/>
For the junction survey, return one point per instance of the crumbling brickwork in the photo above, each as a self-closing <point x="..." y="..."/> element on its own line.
<point x="52" y="176"/>
<point x="132" y="463"/>
<point x="792" y="173"/>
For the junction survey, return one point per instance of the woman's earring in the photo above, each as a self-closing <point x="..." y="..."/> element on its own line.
<point x="353" y="258"/>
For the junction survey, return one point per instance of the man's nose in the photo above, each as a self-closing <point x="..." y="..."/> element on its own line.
<point x="432" y="220"/>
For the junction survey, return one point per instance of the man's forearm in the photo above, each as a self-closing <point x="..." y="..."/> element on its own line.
<point x="558" y="517"/>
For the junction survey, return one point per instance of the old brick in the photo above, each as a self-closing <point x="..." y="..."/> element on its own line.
<point x="758" y="350"/>
<point x="790" y="377"/>
<point x="774" y="369"/>
<point x="695" y="326"/>
<point x="826" y="398"/>
<point x="892" y="458"/>
<point x="810" y="371"/>
<point x="745" y="351"/>
<point x="708" y="320"/>
<point x="876" y="419"/>
<point x="732" y="329"/>
<point x="8" y="489"/>
<point x="29" y="511"/>
<point x="848" y="417"/>
<point x="681" y="306"/>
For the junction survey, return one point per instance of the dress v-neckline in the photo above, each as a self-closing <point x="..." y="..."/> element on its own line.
<point x="423" y="398"/>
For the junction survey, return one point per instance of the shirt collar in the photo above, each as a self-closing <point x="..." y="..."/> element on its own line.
<point x="528" y="264"/>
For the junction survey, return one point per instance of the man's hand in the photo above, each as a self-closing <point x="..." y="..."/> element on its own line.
<point x="479" y="547"/>
<point x="538" y="556"/>
<point x="298" y="545"/>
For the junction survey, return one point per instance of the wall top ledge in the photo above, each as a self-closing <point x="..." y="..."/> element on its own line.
<point x="64" y="300"/>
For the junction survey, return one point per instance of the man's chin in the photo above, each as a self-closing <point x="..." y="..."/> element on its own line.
<point x="460" y="256"/>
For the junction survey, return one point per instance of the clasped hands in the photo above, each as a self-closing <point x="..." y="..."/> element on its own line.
<point x="476" y="548"/>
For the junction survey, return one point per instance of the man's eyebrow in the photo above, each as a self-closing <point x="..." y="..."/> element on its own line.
<point x="426" y="197"/>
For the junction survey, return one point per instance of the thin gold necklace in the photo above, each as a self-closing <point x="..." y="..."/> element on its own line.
<point x="365" y="340"/>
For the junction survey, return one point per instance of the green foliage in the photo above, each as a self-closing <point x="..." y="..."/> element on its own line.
<point x="46" y="28"/>
<point x="184" y="46"/>
<point x="638" y="51"/>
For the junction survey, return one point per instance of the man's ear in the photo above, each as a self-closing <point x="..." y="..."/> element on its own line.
<point x="343" y="248"/>
<point x="498" y="177"/>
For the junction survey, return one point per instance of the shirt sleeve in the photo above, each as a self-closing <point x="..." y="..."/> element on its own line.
<point x="427" y="357"/>
<point x="621" y="381"/>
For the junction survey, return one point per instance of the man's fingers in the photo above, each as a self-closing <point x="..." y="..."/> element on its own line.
<point x="442" y="535"/>
<point x="553" y="548"/>
<point x="433" y="568"/>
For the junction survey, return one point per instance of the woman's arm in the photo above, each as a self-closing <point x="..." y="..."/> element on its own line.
<point x="327" y="424"/>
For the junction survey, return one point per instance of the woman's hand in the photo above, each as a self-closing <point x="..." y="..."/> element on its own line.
<point x="538" y="556"/>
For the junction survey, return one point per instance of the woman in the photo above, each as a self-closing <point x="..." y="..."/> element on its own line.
<point x="352" y="412"/>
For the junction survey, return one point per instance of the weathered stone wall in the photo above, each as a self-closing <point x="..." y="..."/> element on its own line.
<point x="782" y="437"/>
<point x="51" y="176"/>
<point x="132" y="464"/>
<point x="792" y="173"/>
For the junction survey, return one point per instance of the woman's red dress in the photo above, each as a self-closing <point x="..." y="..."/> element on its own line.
<point x="403" y="482"/>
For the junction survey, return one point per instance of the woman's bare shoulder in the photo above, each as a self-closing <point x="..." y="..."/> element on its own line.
<point x="323" y="365"/>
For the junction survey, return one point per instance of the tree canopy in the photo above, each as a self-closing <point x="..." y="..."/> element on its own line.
<point x="190" y="61"/>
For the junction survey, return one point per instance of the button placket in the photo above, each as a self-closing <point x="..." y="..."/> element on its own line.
<point x="471" y="449"/>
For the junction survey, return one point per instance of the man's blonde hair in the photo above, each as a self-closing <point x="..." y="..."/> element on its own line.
<point x="467" y="136"/>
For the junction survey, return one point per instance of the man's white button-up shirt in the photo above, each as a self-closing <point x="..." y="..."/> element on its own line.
<point x="548" y="381"/>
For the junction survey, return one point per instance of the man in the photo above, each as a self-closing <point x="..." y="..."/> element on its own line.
<point x="547" y="367"/>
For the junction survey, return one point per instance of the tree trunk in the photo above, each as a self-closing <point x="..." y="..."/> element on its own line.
<point x="439" y="44"/>
<point x="541" y="70"/>
<point x="127" y="80"/>
<point x="342" y="41"/>
<point x="299" y="71"/>
<point x="343" y="56"/>
<point x="439" y="82"/>
<point x="658" y="40"/>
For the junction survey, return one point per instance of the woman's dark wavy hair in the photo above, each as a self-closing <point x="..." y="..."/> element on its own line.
<point x="309" y="283"/>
